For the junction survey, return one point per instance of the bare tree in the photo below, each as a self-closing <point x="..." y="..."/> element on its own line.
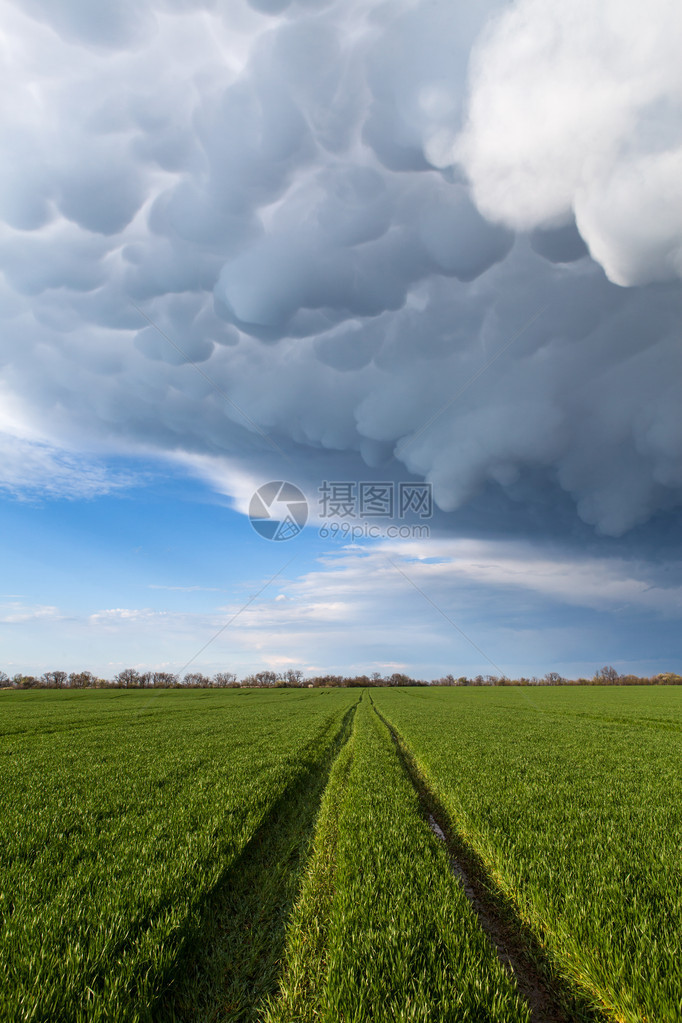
<point x="292" y="677"/>
<point x="54" y="679"/>
<point x="399" y="679"/>
<point x="165" y="679"/>
<point x="225" y="679"/>
<point x="607" y="675"/>
<point x="266" y="678"/>
<point x="327" y="680"/>
<point x="195" y="680"/>
<point x="127" y="678"/>
<point x="81" y="679"/>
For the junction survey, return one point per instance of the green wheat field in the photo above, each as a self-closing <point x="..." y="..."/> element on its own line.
<point x="268" y="855"/>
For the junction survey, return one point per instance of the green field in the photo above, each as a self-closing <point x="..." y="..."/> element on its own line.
<point x="266" y="855"/>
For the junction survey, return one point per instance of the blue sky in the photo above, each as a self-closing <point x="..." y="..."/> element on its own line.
<point x="256" y="240"/>
<point x="148" y="576"/>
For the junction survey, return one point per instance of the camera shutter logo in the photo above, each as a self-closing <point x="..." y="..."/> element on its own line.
<point x="278" y="510"/>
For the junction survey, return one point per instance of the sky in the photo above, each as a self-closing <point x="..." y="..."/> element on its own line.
<point x="366" y="251"/>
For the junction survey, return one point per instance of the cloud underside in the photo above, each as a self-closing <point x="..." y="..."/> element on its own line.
<point x="288" y="240"/>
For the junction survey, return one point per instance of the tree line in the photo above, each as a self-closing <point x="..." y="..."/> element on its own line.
<point x="293" y="678"/>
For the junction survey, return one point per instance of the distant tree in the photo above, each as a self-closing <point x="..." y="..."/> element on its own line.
<point x="292" y="678"/>
<point x="127" y="678"/>
<point x="553" y="678"/>
<point x="165" y="679"/>
<point x="81" y="679"/>
<point x="54" y="679"/>
<point x="25" y="681"/>
<point x="267" y="679"/>
<point x="327" y="680"/>
<point x="399" y="679"/>
<point x="195" y="680"/>
<point x="225" y="679"/>
<point x="3" y="678"/>
<point x="607" y="675"/>
<point x="667" y="678"/>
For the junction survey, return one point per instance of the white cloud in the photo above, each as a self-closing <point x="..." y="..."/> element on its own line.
<point x="29" y="468"/>
<point x="16" y="613"/>
<point x="575" y="109"/>
<point x="599" y="583"/>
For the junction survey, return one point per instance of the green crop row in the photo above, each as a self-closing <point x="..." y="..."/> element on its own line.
<point x="119" y="816"/>
<point x="382" y="930"/>
<point x="176" y="857"/>
<point x="573" y="802"/>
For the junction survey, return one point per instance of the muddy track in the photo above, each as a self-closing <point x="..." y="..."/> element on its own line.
<point x="550" y="998"/>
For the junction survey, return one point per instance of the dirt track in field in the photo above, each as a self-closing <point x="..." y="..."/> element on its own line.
<point x="516" y="949"/>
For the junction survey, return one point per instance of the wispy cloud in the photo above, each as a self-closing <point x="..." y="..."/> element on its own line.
<point x="21" y="614"/>
<point x="31" y="469"/>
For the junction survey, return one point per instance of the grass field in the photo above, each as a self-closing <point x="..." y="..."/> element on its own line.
<point x="265" y="855"/>
<point x="572" y="800"/>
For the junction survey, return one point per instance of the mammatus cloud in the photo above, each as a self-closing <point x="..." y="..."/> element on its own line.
<point x="577" y="112"/>
<point x="359" y="230"/>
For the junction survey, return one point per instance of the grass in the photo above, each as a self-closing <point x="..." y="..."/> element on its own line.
<point x="120" y="815"/>
<point x="196" y="857"/>
<point x="572" y="801"/>
<point x="383" y="931"/>
<point x="229" y="974"/>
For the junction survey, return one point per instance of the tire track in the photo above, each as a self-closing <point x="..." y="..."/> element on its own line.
<point x="550" y="1000"/>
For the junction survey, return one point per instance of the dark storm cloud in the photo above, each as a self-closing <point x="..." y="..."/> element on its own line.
<point x="440" y="239"/>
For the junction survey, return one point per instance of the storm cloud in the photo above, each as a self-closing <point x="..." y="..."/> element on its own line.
<point x="309" y="239"/>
